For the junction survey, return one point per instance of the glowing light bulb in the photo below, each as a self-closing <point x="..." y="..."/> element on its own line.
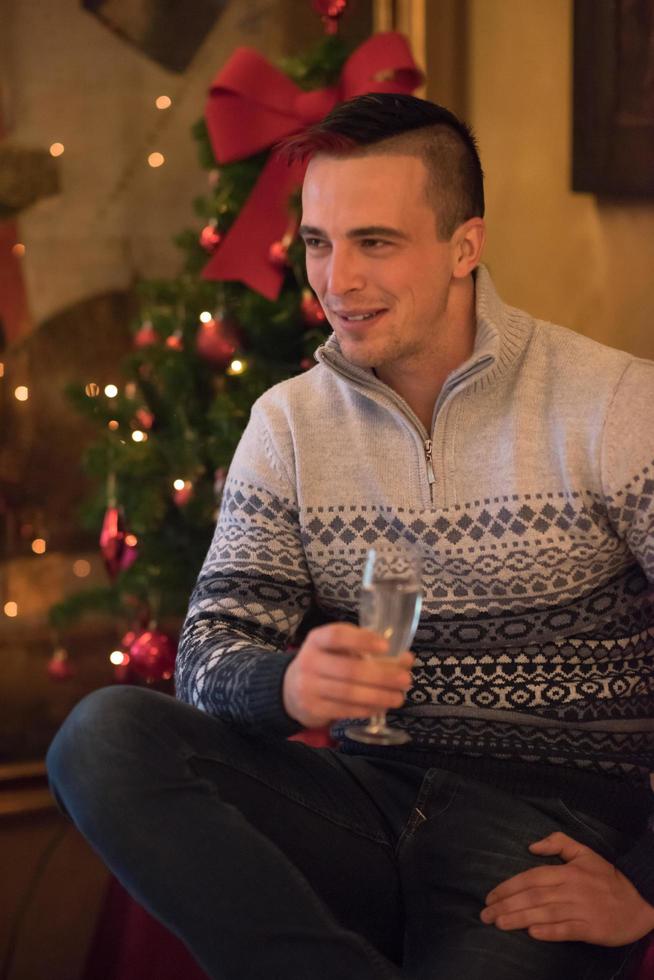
<point x="236" y="367"/>
<point x="131" y="540"/>
<point x="11" y="608"/>
<point x="22" y="393"/>
<point x="116" y="657"/>
<point x="113" y="424"/>
<point x="205" y="317"/>
<point x="92" y="390"/>
<point x="81" y="568"/>
<point x="110" y="391"/>
<point x="163" y="102"/>
<point x="178" y="484"/>
<point x="18" y="250"/>
<point x="56" y="149"/>
<point x="2" y="370"/>
<point x="156" y="159"/>
<point x="39" y="546"/>
<point x="139" y="436"/>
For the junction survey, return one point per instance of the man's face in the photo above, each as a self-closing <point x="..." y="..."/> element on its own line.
<point x="372" y="251"/>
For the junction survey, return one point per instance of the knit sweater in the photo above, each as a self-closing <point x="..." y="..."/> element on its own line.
<point x="532" y="500"/>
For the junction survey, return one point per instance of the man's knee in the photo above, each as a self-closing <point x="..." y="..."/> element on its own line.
<point x="85" y="754"/>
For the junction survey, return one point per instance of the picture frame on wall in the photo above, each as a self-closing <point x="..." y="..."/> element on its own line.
<point x="613" y="97"/>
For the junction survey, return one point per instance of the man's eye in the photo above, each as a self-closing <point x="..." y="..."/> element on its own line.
<point x="313" y="242"/>
<point x="373" y="242"/>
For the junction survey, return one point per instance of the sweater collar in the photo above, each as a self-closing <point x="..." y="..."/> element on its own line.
<point x="500" y="336"/>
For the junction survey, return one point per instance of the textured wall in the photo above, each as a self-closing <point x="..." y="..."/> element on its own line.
<point x="570" y="258"/>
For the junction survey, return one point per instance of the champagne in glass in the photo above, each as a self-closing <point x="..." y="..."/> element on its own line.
<point x="389" y="604"/>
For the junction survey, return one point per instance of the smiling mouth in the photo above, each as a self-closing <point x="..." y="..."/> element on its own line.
<point x="355" y="319"/>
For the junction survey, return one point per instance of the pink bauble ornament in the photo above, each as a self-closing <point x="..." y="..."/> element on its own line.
<point x="59" y="666"/>
<point x="146" y="335"/>
<point x="117" y="546"/>
<point x="152" y="655"/>
<point x="330" y="11"/>
<point x="312" y="311"/>
<point x="210" y="237"/>
<point x="217" y="342"/>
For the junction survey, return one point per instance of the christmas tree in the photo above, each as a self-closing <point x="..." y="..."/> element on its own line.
<point x="239" y="318"/>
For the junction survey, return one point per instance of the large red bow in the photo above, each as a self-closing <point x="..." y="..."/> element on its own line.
<point x="251" y="106"/>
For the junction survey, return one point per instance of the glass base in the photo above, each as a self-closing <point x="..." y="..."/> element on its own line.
<point x="372" y="734"/>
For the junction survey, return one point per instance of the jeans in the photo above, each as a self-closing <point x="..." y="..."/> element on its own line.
<point x="271" y="859"/>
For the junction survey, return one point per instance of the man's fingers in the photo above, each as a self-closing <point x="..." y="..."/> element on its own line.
<point x="360" y="700"/>
<point x="388" y="674"/>
<point x="545" y="876"/>
<point x="553" y="914"/>
<point x="348" y="639"/>
<point x="559" y="843"/>
<point x="574" y="930"/>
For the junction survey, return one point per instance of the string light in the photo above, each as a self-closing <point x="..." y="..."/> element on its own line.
<point x="92" y="390"/>
<point x="11" y="609"/>
<point x="178" y="484"/>
<point x="39" y="546"/>
<point x="131" y="540"/>
<point x="81" y="568"/>
<point x="156" y="159"/>
<point x="117" y="657"/>
<point x="56" y="149"/>
<point x="112" y="424"/>
<point x="205" y="317"/>
<point x="163" y="102"/>
<point x="22" y="393"/>
<point x="139" y="436"/>
<point x="18" y="250"/>
<point x="236" y="367"/>
<point x="2" y="370"/>
<point x="130" y="390"/>
<point x="110" y="391"/>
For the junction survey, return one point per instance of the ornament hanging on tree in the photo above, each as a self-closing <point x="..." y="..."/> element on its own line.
<point x="183" y="492"/>
<point x="217" y="341"/>
<point x="174" y="341"/>
<point x="59" y="666"/>
<point x="312" y="311"/>
<point x="210" y="237"/>
<point x="330" y="12"/>
<point x="145" y="418"/>
<point x="117" y="546"/>
<point x="306" y="363"/>
<point x="279" y="253"/>
<point x="145" y="336"/>
<point x="219" y="477"/>
<point x="213" y="178"/>
<point x="152" y="655"/>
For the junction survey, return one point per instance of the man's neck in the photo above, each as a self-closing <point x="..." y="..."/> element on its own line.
<point x="419" y="383"/>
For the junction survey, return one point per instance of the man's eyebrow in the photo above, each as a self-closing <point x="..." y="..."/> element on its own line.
<point x="369" y="231"/>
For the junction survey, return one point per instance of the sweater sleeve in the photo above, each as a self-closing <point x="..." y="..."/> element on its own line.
<point x="252" y="591"/>
<point x="628" y="480"/>
<point x="628" y="462"/>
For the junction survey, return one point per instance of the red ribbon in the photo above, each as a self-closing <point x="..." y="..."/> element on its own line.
<point x="252" y="105"/>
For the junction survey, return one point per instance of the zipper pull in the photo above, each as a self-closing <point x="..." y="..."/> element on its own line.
<point x="430" y="468"/>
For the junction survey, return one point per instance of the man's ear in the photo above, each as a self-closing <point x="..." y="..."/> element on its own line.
<point x="467" y="245"/>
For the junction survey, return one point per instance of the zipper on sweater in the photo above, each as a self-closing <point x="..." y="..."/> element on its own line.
<point x="430" y="468"/>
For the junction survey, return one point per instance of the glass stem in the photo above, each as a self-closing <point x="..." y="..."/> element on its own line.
<point x="377" y="722"/>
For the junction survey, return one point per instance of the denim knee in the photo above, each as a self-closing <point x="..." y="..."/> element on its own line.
<point x="81" y="758"/>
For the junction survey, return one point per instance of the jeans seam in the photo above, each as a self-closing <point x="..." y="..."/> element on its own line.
<point x="294" y="798"/>
<point x="417" y="816"/>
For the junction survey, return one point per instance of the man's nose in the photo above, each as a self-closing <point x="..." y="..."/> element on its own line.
<point x="345" y="273"/>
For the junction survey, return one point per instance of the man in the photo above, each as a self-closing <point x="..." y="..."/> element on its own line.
<point x="509" y="838"/>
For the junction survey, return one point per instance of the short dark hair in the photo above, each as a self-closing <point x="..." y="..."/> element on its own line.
<point x="384" y="122"/>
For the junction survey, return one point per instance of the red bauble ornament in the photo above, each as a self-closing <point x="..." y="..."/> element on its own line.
<point x="59" y="666"/>
<point x="217" y="342"/>
<point x="306" y="363"/>
<point x="182" y="496"/>
<point x="174" y="341"/>
<point x="210" y="237"/>
<point x="312" y="311"/>
<point x="152" y="655"/>
<point x="144" y="418"/>
<point x="116" y="545"/>
<point x="330" y="11"/>
<point x="146" y="335"/>
<point x="278" y="253"/>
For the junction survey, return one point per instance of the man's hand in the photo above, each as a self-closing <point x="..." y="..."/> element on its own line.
<point x="337" y="673"/>
<point x="586" y="899"/>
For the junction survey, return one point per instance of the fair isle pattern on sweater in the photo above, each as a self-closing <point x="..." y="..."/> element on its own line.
<point x="536" y="638"/>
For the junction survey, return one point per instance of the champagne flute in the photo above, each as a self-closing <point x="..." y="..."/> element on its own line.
<point x="389" y="604"/>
